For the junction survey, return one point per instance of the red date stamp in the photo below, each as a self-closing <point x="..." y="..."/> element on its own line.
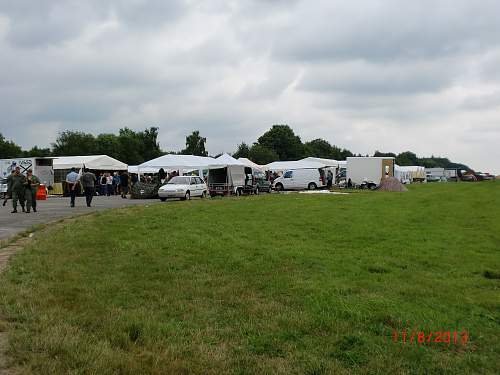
<point x="423" y="338"/>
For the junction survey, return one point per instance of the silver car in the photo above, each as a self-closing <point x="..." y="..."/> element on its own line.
<point x="183" y="187"/>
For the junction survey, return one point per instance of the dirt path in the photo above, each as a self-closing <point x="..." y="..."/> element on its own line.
<point x="5" y="254"/>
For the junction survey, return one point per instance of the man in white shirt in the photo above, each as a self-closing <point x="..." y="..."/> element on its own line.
<point x="72" y="179"/>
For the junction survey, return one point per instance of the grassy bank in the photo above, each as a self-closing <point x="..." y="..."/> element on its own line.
<point x="304" y="284"/>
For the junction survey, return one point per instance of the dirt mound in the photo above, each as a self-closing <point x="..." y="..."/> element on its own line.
<point x="391" y="184"/>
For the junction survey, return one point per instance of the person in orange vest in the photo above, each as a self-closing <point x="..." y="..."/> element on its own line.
<point x="31" y="187"/>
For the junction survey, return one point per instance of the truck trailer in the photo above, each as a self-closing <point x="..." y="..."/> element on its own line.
<point x="368" y="171"/>
<point x="42" y="168"/>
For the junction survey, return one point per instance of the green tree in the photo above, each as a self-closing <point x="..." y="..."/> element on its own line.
<point x="195" y="145"/>
<point x="243" y="151"/>
<point x="73" y="143"/>
<point x="131" y="147"/>
<point x="35" y="151"/>
<point x="283" y="141"/>
<point x="262" y="155"/>
<point x="318" y="148"/>
<point x="407" y="158"/>
<point x="151" y="146"/>
<point x="384" y="154"/>
<point x="109" y="144"/>
<point x="9" y="149"/>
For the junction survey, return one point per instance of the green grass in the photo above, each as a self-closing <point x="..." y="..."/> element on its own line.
<point x="285" y="284"/>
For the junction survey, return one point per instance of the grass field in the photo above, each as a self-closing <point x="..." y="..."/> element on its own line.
<point x="285" y="284"/>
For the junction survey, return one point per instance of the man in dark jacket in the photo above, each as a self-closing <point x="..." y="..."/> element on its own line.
<point x="124" y="184"/>
<point x="88" y="180"/>
<point x="18" y="186"/>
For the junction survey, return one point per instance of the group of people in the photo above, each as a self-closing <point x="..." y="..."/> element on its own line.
<point x="22" y="189"/>
<point x="108" y="184"/>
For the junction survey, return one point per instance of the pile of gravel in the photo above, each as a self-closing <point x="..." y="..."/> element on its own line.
<point x="391" y="184"/>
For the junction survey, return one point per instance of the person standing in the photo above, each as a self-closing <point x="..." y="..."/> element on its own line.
<point x="109" y="184"/>
<point x="88" y="182"/>
<point x="102" y="184"/>
<point x="72" y="179"/>
<point x="8" y="194"/>
<point x="116" y="183"/>
<point x="18" y="186"/>
<point x="31" y="187"/>
<point x="329" y="179"/>
<point x="124" y="184"/>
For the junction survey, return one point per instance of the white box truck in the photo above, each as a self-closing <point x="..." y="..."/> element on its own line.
<point x="42" y="168"/>
<point x="367" y="172"/>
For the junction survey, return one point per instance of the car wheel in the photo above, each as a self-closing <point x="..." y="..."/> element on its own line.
<point x="279" y="187"/>
<point x="163" y="199"/>
<point x="311" y="186"/>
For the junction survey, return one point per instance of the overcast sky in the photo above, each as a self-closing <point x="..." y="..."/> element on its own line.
<point x="365" y="75"/>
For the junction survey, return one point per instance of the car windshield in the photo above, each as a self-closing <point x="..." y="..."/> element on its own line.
<point x="178" y="180"/>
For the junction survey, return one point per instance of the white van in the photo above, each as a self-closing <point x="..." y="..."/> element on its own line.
<point x="300" y="179"/>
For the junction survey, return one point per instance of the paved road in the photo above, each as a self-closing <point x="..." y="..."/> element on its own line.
<point x="55" y="208"/>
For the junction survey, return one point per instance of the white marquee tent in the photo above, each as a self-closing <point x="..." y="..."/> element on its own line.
<point x="251" y="164"/>
<point x="176" y="162"/>
<point x="326" y="162"/>
<point x="95" y="162"/>
<point x="278" y="166"/>
<point x="225" y="160"/>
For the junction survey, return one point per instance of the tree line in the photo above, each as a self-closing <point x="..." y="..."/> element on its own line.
<point x="135" y="147"/>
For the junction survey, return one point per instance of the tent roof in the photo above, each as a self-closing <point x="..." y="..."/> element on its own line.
<point x="97" y="162"/>
<point x="250" y="163"/>
<point x="299" y="164"/>
<point x="171" y="161"/>
<point x="226" y="160"/>
<point x="134" y="169"/>
<point x="326" y="162"/>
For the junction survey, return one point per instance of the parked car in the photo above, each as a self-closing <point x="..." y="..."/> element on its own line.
<point x="183" y="187"/>
<point x="300" y="179"/>
<point x="262" y="184"/>
<point x="3" y="187"/>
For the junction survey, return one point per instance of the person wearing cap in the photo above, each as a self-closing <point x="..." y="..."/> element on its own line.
<point x="18" y="186"/>
<point x="31" y="187"/>
<point x="72" y="179"/>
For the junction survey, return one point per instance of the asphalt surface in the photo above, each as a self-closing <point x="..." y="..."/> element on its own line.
<point x="56" y="208"/>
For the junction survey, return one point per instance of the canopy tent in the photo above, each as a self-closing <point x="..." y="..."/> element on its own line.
<point x="251" y="164"/>
<point x="175" y="162"/>
<point x="415" y="172"/>
<point x="278" y="166"/>
<point x="135" y="169"/>
<point x="326" y="162"/>
<point x="402" y="174"/>
<point x="95" y="162"/>
<point x="225" y="160"/>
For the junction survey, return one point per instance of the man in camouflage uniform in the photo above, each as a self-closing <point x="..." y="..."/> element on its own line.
<point x="18" y="187"/>
<point x="31" y="187"/>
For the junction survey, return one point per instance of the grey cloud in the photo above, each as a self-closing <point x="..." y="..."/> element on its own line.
<point x="389" y="30"/>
